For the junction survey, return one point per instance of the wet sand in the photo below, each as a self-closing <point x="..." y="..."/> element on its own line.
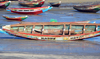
<point x="28" y="49"/>
<point x="37" y="56"/>
<point x="73" y="1"/>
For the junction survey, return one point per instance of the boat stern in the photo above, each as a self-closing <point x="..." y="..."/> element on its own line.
<point x="8" y="9"/>
<point x="44" y="10"/>
<point x="8" y="3"/>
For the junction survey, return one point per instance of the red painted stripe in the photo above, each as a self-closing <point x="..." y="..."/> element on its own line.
<point x="35" y="13"/>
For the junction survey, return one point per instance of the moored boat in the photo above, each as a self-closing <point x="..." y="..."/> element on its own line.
<point x="4" y="4"/>
<point x="37" y="3"/>
<point x="33" y="11"/>
<point x="55" y="4"/>
<point x="87" y="8"/>
<point x="54" y="30"/>
<point x="15" y="18"/>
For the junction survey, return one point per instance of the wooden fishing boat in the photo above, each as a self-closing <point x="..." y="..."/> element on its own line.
<point x="34" y="11"/>
<point x="37" y="3"/>
<point x="4" y="4"/>
<point x="55" y="4"/>
<point x="54" y="30"/>
<point x="87" y="8"/>
<point x="16" y="18"/>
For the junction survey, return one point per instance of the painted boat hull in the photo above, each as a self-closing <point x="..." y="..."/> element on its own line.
<point x="53" y="37"/>
<point x="35" y="11"/>
<point x="90" y="9"/>
<point x="31" y="13"/>
<point x="32" y="5"/>
<point x="15" y="19"/>
<point x="57" y="34"/>
<point x="7" y="3"/>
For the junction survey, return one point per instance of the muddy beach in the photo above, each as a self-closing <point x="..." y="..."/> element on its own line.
<point x="12" y="47"/>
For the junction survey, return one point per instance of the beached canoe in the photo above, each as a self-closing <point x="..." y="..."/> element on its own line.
<point x="33" y="11"/>
<point x="4" y="4"/>
<point x="37" y="3"/>
<point x="87" y="8"/>
<point x="54" y="30"/>
<point x="55" y="4"/>
<point x="15" y="18"/>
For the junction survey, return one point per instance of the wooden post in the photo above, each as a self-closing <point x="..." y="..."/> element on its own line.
<point x="33" y="29"/>
<point x="64" y="30"/>
<point x="84" y="29"/>
<point x="96" y="27"/>
<point x="42" y="29"/>
<point x="70" y="29"/>
<point x="24" y="28"/>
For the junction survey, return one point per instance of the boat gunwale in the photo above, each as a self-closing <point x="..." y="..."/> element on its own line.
<point x="29" y="8"/>
<point x="52" y="23"/>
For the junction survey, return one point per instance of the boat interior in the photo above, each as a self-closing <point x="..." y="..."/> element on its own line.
<point x="54" y="29"/>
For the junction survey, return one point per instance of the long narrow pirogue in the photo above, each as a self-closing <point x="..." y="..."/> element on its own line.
<point x="87" y="8"/>
<point x="54" y="30"/>
<point x="33" y="11"/>
<point x="37" y="3"/>
<point x="55" y="4"/>
<point x="15" y="18"/>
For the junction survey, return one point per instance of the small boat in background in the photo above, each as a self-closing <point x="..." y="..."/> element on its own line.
<point x="15" y="18"/>
<point x="87" y="8"/>
<point x="55" y="4"/>
<point x="4" y="4"/>
<point x="30" y="11"/>
<point x="37" y="3"/>
<point x="54" y="30"/>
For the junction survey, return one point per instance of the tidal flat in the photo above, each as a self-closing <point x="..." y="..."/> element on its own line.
<point x="12" y="47"/>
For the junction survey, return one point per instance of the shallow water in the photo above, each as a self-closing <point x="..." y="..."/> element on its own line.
<point x="89" y="46"/>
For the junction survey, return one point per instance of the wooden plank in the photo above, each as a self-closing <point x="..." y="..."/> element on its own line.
<point x="96" y="27"/>
<point x="33" y="29"/>
<point x="42" y="29"/>
<point x="84" y="28"/>
<point x="64" y="30"/>
<point x="70" y="29"/>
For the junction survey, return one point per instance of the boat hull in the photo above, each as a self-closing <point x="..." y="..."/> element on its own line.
<point x="3" y="6"/>
<point x="31" y="13"/>
<point x="55" y="5"/>
<point x="15" y="18"/>
<point x="91" y="9"/>
<point x="54" y="30"/>
<point x="32" y="5"/>
<point x="53" y="37"/>
<point x="7" y="3"/>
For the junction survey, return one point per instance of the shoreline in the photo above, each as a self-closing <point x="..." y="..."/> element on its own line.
<point x="42" y="56"/>
<point x="69" y="1"/>
<point x="65" y="3"/>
